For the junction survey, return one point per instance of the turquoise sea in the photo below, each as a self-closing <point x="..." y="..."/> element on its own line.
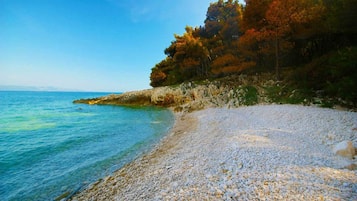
<point x="50" y="146"/>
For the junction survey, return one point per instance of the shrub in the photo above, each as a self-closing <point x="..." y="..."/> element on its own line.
<point x="335" y="74"/>
<point x="248" y="95"/>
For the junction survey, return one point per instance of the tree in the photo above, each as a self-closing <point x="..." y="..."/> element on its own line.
<point x="272" y="25"/>
<point x="164" y="73"/>
<point x="189" y="55"/>
<point x="220" y="33"/>
<point x="254" y="14"/>
<point x="285" y="15"/>
<point x="252" y="45"/>
<point x="341" y="16"/>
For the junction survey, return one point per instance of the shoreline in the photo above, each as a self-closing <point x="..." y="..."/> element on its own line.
<point x="258" y="152"/>
<point x="124" y="175"/>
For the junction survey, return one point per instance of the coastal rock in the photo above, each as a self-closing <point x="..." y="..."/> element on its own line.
<point x="351" y="167"/>
<point x="129" y="98"/>
<point x="166" y="96"/>
<point x="231" y="92"/>
<point x="344" y="149"/>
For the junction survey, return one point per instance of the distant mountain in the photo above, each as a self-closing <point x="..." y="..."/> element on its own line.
<point x="31" y="88"/>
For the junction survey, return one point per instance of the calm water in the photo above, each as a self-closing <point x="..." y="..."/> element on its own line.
<point x="49" y="146"/>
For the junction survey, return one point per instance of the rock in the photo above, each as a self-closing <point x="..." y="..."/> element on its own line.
<point x="345" y="149"/>
<point x="351" y="167"/>
<point x="63" y="196"/>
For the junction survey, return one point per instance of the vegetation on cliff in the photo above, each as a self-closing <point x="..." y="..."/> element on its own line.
<point x="315" y="40"/>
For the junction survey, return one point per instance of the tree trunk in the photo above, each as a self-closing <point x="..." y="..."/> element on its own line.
<point x="277" y="48"/>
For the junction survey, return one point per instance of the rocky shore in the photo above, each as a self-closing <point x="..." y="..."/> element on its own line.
<point x="231" y="92"/>
<point x="264" y="152"/>
<point x="186" y="97"/>
<point x="192" y="96"/>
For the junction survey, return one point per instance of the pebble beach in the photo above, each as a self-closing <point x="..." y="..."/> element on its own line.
<point x="263" y="152"/>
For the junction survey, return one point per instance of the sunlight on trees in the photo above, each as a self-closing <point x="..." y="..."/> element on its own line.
<point x="264" y="35"/>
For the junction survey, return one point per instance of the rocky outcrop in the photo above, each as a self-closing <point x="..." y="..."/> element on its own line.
<point x="191" y="96"/>
<point x="130" y="98"/>
<point x="187" y="96"/>
<point x="229" y="92"/>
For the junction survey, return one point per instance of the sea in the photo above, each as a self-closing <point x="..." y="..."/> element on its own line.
<point x="51" y="148"/>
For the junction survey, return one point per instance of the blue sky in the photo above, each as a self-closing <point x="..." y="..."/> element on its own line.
<point x="91" y="45"/>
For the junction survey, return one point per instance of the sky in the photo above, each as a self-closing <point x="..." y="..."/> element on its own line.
<point x="89" y="45"/>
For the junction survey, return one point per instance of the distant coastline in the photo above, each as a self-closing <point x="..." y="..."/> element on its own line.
<point x="47" y="89"/>
<point x="32" y="88"/>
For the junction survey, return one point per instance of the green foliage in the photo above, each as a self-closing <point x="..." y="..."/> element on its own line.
<point x="327" y="103"/>
<point x="335" y="74"/>
<point x="288" y="94"/>
<point x="248" y="95"/>
<point x="342" y="69"/>
<point x="340" y="16"/>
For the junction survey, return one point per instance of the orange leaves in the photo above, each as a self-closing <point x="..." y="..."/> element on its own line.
<point x="248" y="43"/>
<point x="286" y="16"/>
<point x="251" y="36"/>
<point x="275" y="25"/>
<point x="226" y="64"/>
<point x="254" y="13"/>
<point x="307" y="11"/>
<point x="278" y="16"/>
<point x="157" y="77"/>
<point x="225" y="60"/>
<point x="188" y="46"/>
<point x="235" y="37"/>
<point x="190" y="63"/>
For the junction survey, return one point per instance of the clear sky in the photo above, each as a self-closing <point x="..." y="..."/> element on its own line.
<point x="92" y="45"/>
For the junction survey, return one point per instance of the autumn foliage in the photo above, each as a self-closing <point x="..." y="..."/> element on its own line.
<point x="264" y="35"/>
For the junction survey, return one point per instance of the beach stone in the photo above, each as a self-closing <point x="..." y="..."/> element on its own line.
<point x="351" y="167"/>
<point x="209" y="156"/>
<point x="344" y="149"/>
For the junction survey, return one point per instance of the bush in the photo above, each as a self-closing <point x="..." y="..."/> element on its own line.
<point x="248" y="95"/>
<point x="335" y="74"/>
<point x="288" y="94"/>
